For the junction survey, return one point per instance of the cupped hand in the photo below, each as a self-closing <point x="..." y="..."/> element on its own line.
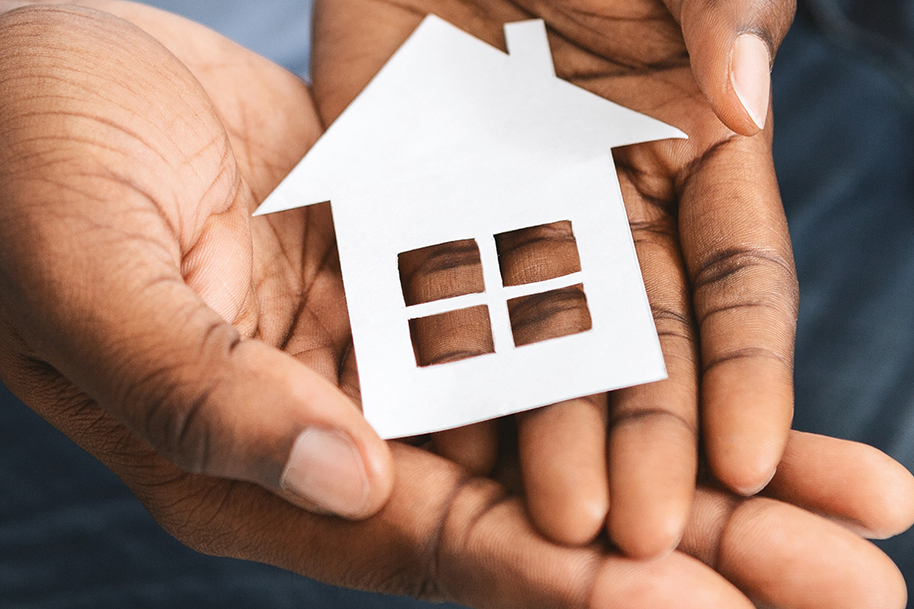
<point x="132" y="274"/>
<point x="710" y="235"/>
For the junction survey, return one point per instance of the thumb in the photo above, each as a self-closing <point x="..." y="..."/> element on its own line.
<point x="233" y="408"/>
<point x="149" y="351"/>
<point x="732" y="45"/>
<point x="112" y="203"/>
<point x="212" y="403"/>
<point x="144" y="346"/>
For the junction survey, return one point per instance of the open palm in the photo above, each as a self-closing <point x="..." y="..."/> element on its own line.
<point x="145" y="314"/>
<point x="710" y="235"/>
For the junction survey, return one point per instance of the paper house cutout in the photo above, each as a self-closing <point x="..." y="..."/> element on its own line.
<point x="455" y="140"/>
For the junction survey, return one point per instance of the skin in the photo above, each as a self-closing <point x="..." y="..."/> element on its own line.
<point x="710" y="234"/>
<point x="135" y="144"/>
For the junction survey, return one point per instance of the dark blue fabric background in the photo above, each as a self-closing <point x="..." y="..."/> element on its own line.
<point x="844" y="153"/>
<point x="72" y="536"/>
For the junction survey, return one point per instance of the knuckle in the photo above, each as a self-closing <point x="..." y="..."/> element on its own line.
<point x="471" y="500"/>
<point x="744" y="276"/>
<point x="175" y="403"/>
<point x="537" y="253"/>
<point x="721" y="267"/>
<point x="661" y="232"/>
<point x="192" y="511"/>
<point x="451" y="336"/>
<point x="548" y="315"/>
<point x="441" y="271"/>
<point x="672" y="323"/>
<point x="746" y="353"/>
<point x="654" y="416"/>
<point x="180" y="428"/>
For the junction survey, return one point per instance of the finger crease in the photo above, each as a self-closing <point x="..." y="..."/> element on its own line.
<point x="430" y="586"/>
<point x="732" y="260"/>
<point x="696" y="164"/>
<point x="634" y="415"/>
<point x="747" y="353"/>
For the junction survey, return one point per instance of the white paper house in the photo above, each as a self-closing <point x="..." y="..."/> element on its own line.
<point x="456" y="140"/>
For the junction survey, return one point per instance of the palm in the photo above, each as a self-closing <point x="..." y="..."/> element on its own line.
<point x="275" y="279"/>
<point x="296" y="280"/>
<point x="714" y="251"/>
<point x="307" y="314"/>
<point x="291" y="296"/>
<point x="270" y="122"/>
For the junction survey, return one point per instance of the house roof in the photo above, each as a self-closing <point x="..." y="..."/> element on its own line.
<point x="447" y="101"/>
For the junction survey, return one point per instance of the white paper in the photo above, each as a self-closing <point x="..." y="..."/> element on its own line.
<point x="452" y="140"/>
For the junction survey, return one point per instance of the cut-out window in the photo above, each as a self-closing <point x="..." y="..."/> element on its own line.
<point x="441" y="271"/>
<point x="537" y="253"/>
<point x="551" y="314"/>
<point x="452" y="335"/>
<point x="541" y="288"/>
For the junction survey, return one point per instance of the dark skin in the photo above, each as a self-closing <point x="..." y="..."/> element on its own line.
<point x="135" y="145"/>
<point x="710" y="235"/>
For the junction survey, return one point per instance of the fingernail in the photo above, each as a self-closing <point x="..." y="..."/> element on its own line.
<point x="750" y="76"/>
<point x="325" y="469"/>
<point x="858" y="529"/>
<point x="749" y="492"/>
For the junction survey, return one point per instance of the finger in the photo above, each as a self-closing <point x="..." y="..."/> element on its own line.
<point x="737" y="251"/>
<point x="569" y="507"/>
<point x="570" y="516"/>
<point x="445" y="536"/>
<point x="817" y="471"/>
<point x="732" y="45"/>
<point x="652" y="464"/>
<point x="812" y="562"/>
<point x="562" y="448"/>
<point x="653" y="438"/>
<point x="782" y="556"/>
<point x="442" y="536"/>
<point x="445" y="271"/>
<point x="474" y="447"/>
<point x="158" y="356"/>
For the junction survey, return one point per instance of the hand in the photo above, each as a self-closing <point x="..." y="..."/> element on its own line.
<point x="443" y="533"/>
<point x="132" y="275"/>
<point x="710" y="235"/>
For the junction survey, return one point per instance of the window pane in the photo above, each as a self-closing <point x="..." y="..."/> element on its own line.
<point x="451" y="336"/>
<point x="441" y="271"/>
<point x="537" y="253"/>
<point x="551" y="314"/>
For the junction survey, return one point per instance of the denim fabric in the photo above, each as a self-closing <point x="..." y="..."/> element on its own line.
<point x="72" y="536"/>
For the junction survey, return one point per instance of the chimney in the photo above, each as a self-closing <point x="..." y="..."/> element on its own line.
<point x="529" y="47"/>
